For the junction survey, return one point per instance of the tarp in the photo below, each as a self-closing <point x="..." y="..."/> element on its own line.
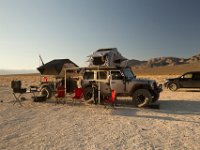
<point x="56" y="67"/>
<point x="109" y="57"/>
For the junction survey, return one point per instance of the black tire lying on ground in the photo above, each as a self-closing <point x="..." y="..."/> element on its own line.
<point x="40" y="98"/>
<point x="142" y="97"/>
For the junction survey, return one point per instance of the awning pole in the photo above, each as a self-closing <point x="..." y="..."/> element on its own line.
<point x="99" y="88"/>
<point x="65" y="83"/>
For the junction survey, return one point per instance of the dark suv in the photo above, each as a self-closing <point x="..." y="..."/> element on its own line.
<point x="187" y="80"/>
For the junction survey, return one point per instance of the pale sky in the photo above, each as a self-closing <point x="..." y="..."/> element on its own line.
<point x="73" y="29"/>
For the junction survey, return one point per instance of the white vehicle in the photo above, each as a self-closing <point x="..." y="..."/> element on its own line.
<point x="123" y="81"/>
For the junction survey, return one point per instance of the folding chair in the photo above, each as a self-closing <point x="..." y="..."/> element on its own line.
<point x="60" y="94"/>
<point x="17" y="91"/>
<point x="110" y="100"/>
<point x="78" y="95"/>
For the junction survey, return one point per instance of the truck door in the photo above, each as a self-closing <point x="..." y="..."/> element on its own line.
<point x="116" y="82"/>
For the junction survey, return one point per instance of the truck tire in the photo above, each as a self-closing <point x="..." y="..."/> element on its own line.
<point x="88" y="93"/>
<point x="142" y="97"/>
<point x="46" y="91"/>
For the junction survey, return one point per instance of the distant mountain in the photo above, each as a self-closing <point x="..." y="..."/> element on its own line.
<point x="9" y="71"/>
<point x="166" y="65"/>
<point x="134" y="62"/>
<point x="165" y="61"/>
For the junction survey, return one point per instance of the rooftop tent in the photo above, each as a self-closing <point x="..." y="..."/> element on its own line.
<point x="109" y="57"/>
<point x="56" y="67"/>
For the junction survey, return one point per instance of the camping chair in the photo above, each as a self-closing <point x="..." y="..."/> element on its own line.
<point x="60" y="94"/>
<point x="17" y="91"/>
<point x="110" y="100"/>
<point x="78" y="95"/>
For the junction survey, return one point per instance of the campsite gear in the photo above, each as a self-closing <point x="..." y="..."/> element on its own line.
<point x="110" y="99"/>
<point x="39" y="98"/>
<point x="60" y="93"/>
<point x="106" y="58"/>
<point x="17" y="91"/>
<point x="78" y="95"/>
<point x="56" y="67"/>
<point x="36" y="98"/>
<point x="34" y="88"/>
<point x="45" y="79"/>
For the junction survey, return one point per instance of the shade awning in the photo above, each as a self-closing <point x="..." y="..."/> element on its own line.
<point x="56" y="67"/>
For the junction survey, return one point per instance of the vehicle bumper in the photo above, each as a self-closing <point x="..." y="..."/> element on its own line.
<point x="159" y="88"/>
<point x="157" y="91"/>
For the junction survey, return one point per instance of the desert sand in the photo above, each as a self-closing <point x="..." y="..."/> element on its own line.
<point x="47" y="125"/>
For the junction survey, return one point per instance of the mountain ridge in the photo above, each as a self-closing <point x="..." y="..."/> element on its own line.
<point x="166" y="65"/>
<point x="164" y="61"/>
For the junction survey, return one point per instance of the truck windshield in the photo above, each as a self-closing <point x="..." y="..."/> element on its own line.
<point x="128" y="73"/>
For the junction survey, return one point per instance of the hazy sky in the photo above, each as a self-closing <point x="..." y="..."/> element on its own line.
<point x="140" y="29"/>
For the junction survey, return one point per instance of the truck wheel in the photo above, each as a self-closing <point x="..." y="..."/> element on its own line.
<point x="141" y="97"/>
<point x="46" y="91"/>
<point x="155" y="97"/>
<point x="88" y="93"/>
<point x="173" y="86"/>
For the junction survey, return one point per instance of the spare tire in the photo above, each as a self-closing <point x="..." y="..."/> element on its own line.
<point x="88" y="93"/>
<point x="46" y="91"/>
<point x="142" y="97"/>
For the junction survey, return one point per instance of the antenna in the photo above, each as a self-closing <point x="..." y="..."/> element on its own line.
<point x="41" y="59"/>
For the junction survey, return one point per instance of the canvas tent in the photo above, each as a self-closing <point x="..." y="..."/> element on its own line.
<point x="109" y="57"/>
<point x="56" y="67"/>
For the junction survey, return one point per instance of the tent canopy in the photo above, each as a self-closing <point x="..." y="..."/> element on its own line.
<point x="109" y="57"/>
<point x="56" y="67"/>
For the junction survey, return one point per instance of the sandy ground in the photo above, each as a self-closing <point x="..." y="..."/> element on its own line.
<point x="175" y="125"/>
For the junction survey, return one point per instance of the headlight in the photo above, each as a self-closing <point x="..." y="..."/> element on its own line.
<point x="152" y="84"/>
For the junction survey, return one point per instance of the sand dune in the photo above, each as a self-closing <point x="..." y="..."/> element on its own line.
<point x="175" y="125"/>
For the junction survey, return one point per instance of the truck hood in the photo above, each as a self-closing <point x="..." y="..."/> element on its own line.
<point x="147" y="81"/>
